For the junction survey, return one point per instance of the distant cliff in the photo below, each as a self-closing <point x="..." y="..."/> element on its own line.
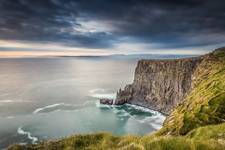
<point x="159" y="84"/>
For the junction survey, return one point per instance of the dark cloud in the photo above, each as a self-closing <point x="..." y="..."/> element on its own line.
<point x="101" y="23"/>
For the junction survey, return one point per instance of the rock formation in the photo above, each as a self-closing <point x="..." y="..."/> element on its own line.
<point x="159" y="84"/>
<point x="106" y="101"/>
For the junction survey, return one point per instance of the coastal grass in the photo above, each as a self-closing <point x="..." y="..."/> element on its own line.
<point x="205" y="104"/>
<point x="210" y="137"/>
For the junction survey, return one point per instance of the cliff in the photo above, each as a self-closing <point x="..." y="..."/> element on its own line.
<point x="160" y="84"/>
<point x="205" y="104"/>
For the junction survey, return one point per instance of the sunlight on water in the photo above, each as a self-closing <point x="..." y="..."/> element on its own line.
<point x="48" y="98"/>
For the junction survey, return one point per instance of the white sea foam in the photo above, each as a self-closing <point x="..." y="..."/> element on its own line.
<point x="57" y="105"/>
<point x="143" y="109"/>
<point x="107" y="95"/>
<point x="97" y="90"/>
<point x="14" y="101"/>
<point x="10" y="117"/>
<point x="124" y="114"/>
<point x="101" y="93"/>
<point x="48" y="106"/>
<point x="155" y="121"/>
<point x="121" y="112"/>
<point x="29" y="135"/>
<point x="156" y="126"/>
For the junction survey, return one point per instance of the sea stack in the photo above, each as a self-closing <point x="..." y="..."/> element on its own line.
<point x="106" y="101"/>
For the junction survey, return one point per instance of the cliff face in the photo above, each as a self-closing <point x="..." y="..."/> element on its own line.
<point x="159" y="84"/>
<point x="205" y="103"/>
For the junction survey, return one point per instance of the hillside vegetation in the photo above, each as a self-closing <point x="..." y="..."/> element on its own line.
<point x="195" y="124"/>
<point x="205" y="104"/>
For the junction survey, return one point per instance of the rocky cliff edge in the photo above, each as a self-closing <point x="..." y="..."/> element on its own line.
<point x="160" y="84"/>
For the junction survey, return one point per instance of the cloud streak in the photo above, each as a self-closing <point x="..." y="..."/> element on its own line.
<point x="105" y="24"/>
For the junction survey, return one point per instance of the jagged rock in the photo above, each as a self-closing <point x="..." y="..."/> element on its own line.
<point x="106" y="101"/>
<point x="159" y="84"/>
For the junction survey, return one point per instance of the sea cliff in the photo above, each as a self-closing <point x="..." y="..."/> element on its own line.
<point x="159" y="84"/>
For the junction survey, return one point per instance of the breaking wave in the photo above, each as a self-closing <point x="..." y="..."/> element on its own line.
<point x="102" y="93"/>
<point x="33" y="139"/>
<point x="61" y="106"/>
<point x="14" y="101"/>
<point x="46" y="107"/>
<point x="97" y="90"/>
<point x="153" y="118"/>
<point x="140" y="108"/>
<point x="155" y="121"/>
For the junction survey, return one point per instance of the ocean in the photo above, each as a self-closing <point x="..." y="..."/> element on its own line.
<point x="54" y="97"/>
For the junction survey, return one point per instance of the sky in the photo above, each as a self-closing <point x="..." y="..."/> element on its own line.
<point x="104" y="27"/>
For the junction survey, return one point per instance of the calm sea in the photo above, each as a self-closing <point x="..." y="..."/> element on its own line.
<point x="50" y="98"/>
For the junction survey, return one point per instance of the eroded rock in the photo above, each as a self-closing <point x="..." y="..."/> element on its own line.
<point x="106" y="101"/>
<point x="159" y="84"/>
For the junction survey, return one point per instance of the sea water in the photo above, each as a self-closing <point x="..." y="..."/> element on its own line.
<point x="50" y="98"/>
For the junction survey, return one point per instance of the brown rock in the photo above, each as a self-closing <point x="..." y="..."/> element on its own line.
<point x="106" y="101"/>
<point x="159" y="84"/>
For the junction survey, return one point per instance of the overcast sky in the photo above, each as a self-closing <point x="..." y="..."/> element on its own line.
<point x="111" y="26"/>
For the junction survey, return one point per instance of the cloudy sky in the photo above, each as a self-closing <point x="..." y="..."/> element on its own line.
<point x="101" y="27"/>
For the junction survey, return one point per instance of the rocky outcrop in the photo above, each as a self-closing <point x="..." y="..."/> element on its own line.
<point x="106" y="101"/>
<point x="159" y="84"/>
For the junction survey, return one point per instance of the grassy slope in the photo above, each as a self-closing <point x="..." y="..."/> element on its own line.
<point x="206" y="102"/>
<point x="187" y="128"/>
<point x="198" y="139"/>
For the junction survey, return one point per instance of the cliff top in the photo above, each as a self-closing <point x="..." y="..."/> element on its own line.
<point x="216" y="52"/>
<point x="170" y="60"/>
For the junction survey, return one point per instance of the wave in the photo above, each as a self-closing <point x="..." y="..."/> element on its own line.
<point x="14" y="101"/>
<point x="155" y="121"/>
<point x="60" y="107"/>
<point x="101" y="93"/>
<point x="10" y="117"/>
<point x="152" y="121"/>
<point x="120" y="109"/>
<point x="122" y="113"/>
<point x="29" y="135"/>
<point x="114" y="108"/>
<point x="144" y="109"/>
<point x="108" y="95"/>
<point x="156" y="126"/>
<point x="45" y="107"/>
<point x="97" y="90"/>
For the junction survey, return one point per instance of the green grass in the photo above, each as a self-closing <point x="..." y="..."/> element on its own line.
<point x="205" y="104"/>
<point x="208" y="132"/>
<point x="210" y="137"/>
